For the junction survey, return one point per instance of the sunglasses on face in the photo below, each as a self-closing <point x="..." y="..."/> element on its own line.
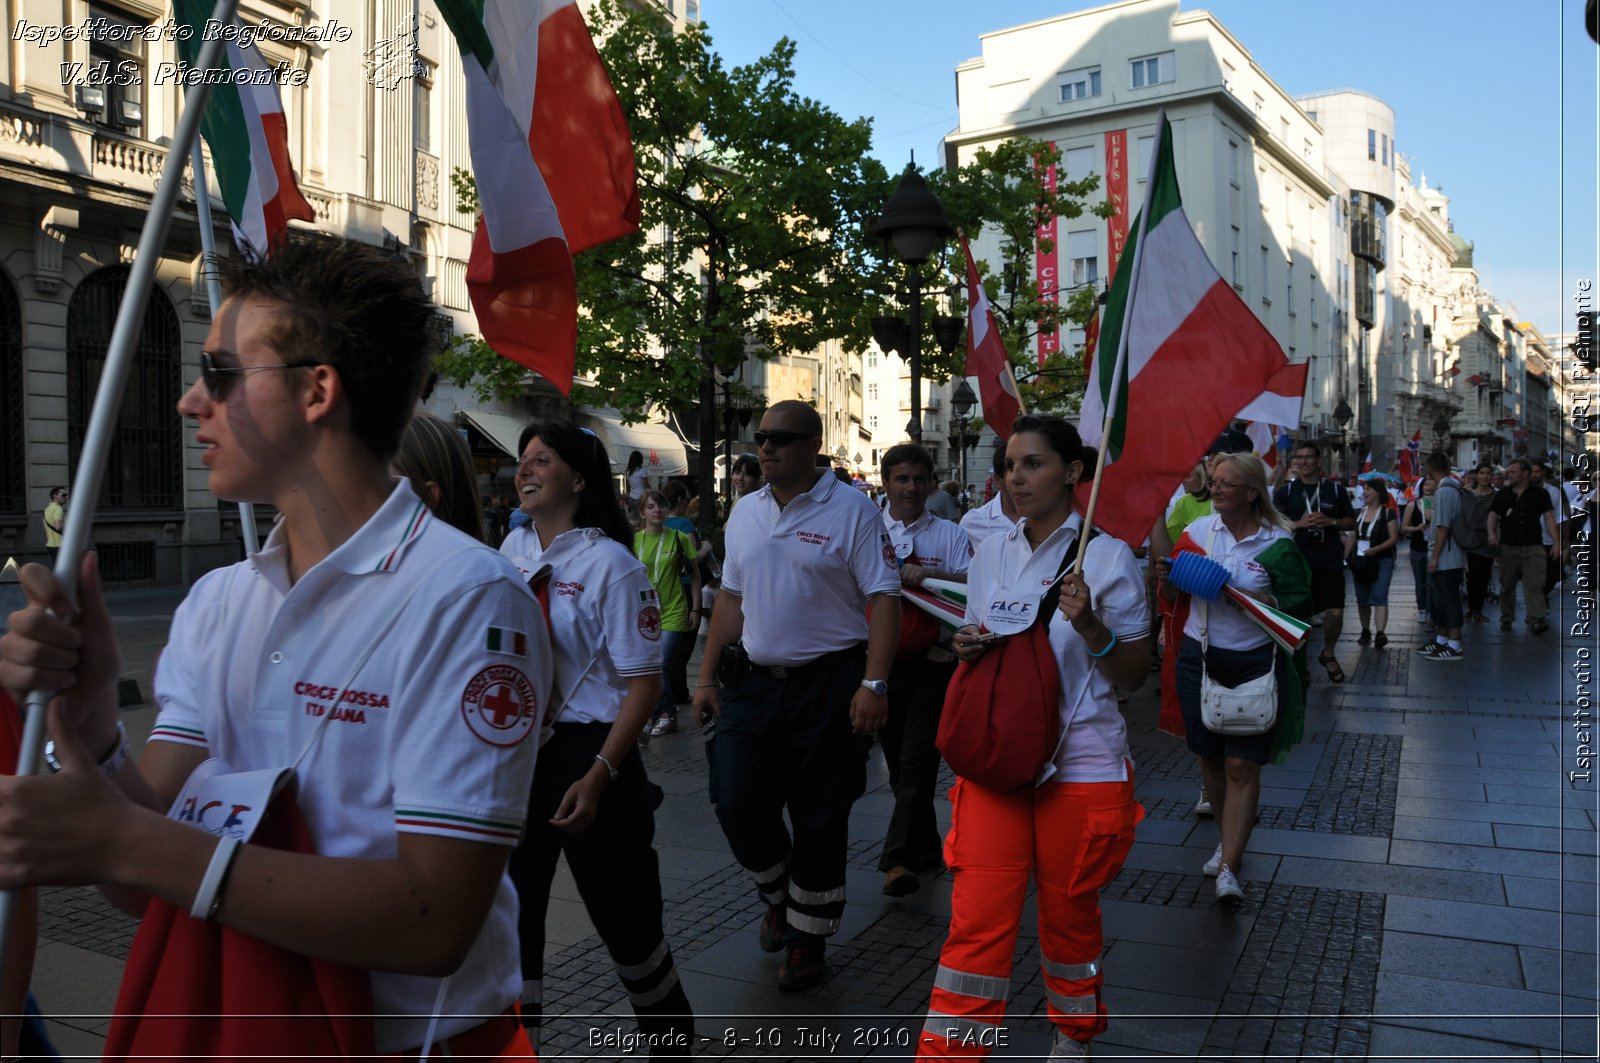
<point x="780" y="438"/>
<point x="219" y="379"/>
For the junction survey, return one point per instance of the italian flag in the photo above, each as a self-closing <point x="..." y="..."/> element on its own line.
<point x="1179" y="355"/>
<point x="554" y="166"/>
<point x="244" y="126"/>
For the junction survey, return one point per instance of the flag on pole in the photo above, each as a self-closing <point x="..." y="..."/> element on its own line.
<point x="1262" y="437"/>
<point x="1091" y="339"/>
<point x="1195" y="355"/>
<point x="986" y="356"/>
<point x="1366" y="465"/>
<point x="244" y="126"/>
<point x="554" y="166"/>
<point x="1410" y="460"/>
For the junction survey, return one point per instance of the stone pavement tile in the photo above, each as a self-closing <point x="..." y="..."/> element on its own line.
<point x="1187" y="859"/>
<point x="566" y="923"/>
<point x="1554" y="791"/>
<point x="1208" y="929"/>
<point x="1279" y="797"/>
<point x="1550" y="895"/>
<point x="1365" y="723"/>
<point x="1453" y="789"/>
<point x="1541" y="761"/>
<point x="1475" y="858"/>
<point x="1533" y="745"/>
<point x="1165" y="831"/>
<point x="1545" y="839"/>
<point x="82" y="993"/>
<point x="1487" y="1012"/>
<point x="1483" y="811"/>
<point x="1478" y="922"/>
<point x="1286" y="778"/>
<point x="1570" y="974"/>
<point x="1170" y="970"/>
<point x="1479" y="962"/>
<point x="1309" y="843"/>
<point x="1395" y="1044"/>
<point x="1390" y="879"/>
<point x="1473" y="773"/>
<point x="1458" y="831"/>
<point x="1144" y="1021"/>
<point x="686" y="862"/>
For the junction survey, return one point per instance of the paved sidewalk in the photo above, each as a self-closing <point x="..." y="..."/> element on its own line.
<point x="1422" y="883"/>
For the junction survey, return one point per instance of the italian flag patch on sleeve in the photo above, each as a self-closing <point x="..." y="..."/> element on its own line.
<point x="508" y="641"/>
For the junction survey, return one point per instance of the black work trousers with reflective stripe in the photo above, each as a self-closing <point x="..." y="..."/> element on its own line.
<point x="916" y="699"/>
<point x="614" y="866"/>
<point x="786" y="744"/>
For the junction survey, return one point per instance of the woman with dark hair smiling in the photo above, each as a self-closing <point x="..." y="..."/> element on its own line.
<point x="591" y="799"/>
<point x="1073" y="828"/>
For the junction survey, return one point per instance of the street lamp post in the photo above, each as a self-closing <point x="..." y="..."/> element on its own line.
<point x="961" y="403"/>
<point x="914" y="223"/>
<point x="1441" y="426"/>
<point x="1341" y="416"/>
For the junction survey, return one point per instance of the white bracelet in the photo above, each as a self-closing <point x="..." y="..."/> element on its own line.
<point x="601" y="757"/>
<point x="209" y="897"/>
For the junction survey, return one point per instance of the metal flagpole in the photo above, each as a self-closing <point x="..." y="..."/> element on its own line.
<point x="1122" y="335"/>
<point x="208" y="256"/>
<point x="108" y="397"/>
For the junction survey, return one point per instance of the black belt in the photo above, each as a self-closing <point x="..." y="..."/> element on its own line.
<point x="795" y="671"/>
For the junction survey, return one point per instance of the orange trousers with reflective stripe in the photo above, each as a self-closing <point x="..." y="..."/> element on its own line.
<point x="1072" y="838"/>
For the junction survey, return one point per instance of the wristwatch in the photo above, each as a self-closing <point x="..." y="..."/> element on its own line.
<point x="879" y="687"/>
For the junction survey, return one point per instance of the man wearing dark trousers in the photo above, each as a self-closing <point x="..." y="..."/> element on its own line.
<point x="1321" y="512"/>
<point x="926" y="547"/>
<point x="806" y="684"/>
<point x="1518" y="513"/>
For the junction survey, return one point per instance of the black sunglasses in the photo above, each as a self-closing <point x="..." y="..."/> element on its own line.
<point x="781" y="438"/>
<point x="219" y="379"/>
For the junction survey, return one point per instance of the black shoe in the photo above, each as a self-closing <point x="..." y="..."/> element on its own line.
<point x="900" y="882"/>
<point x="1363" y="638"/>
<point x="1538" y="627"/>
<point x="773" y="924"/>
<point x="803" y="967"/>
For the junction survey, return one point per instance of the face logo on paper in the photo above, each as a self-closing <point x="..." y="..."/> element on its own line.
<point x="650" y="622"/>
<point x="1011" y="608"/>
<point x="499" y="705"/>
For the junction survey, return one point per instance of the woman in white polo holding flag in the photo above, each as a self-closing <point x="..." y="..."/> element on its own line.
<point x="1254" y="543"/>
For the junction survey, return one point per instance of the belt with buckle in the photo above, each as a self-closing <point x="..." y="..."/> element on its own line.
<point x="794" y="671"/>
<point x="487" y="1041"/>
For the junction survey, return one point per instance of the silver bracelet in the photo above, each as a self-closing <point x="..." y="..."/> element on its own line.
<point x="115" y="759"/>
<point x="601" y="757"/>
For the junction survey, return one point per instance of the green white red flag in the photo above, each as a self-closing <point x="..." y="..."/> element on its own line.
<point x="1179" y="356"/>
<point x="554" y="166"/>
<point x="245" y="129"/>
<point x="986" y="356"/>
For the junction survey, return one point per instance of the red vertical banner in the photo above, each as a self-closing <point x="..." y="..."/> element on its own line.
<point x="1047" y="270"/>
<point x="1117" y="196"/>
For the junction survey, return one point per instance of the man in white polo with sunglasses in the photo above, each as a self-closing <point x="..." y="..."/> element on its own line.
<point x="803" y="684"/>
<point x="396" y="665"/>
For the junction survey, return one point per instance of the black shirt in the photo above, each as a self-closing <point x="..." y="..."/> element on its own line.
<point x="1521" y="516"/>
<point x="1322" y="546"/>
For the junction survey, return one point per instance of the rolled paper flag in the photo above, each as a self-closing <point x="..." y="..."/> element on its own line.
<point x="1197" y="574"/>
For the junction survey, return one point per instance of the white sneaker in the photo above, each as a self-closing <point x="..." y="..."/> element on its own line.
<point x="1064" y="1047"/>
<point x="1228" y="889"/>
<point x="1211" y="866"/>
<point x="1202" y="807"/>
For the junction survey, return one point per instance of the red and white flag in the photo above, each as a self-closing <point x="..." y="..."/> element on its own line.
<point x="1194" y="356"/>
<point x="986" y="356"/>
<point x="1409" y="461"/>
<point x="1263" y="438"/>
<point x="554" y="166"/>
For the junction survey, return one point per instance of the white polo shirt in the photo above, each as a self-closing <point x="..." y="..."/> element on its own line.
<point x="605" y="619"/>
<point x="937" y="543"/>
<point x="805" y="572"/>
<point x="434" y="735"/>
<point x="1228" y="628"/>
<point x="1094" y="746"/>
<point x="986" y="521"/>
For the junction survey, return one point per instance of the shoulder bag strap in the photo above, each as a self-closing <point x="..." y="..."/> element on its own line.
<point x="1052" y="597"/>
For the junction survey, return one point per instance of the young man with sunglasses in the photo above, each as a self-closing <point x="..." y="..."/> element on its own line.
<point x="806" y="690"/>
<point x="394" y="665"/>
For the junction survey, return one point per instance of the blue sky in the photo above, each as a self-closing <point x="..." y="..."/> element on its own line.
<point x="1495" y="102"/>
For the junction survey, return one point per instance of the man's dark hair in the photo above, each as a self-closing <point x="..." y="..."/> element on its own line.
<point x="1437" y="461"/>
<point x="748" y="464"/>
<point x="1306" y="444"/>
<point x="1231" y="441"/>
<point x="582" y="450"/>
<point x="1527" y="466"/>
<point x="998" y="465"/>
<point x="905" y="453"/>
<point x="349" y="306"/>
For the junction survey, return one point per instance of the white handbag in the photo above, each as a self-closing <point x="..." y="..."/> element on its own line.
<point x="1251" y="708"/>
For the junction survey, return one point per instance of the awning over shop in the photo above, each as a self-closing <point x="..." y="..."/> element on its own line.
<point x="664" y="453"/>
<point x="499" y="429"/>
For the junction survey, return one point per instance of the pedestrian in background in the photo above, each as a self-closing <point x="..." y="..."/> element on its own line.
<point x="1521" y="517"/>
<point x="55" y="522"/>
<point x="926" y="547"/>
<point x="591" y="800"/>
<point x="1071" y="832"/>
<point x="669" y="556"/>
<point x="998" y="514"/>
<point x="1447" y="561"/>
<point x="1414" y="524"/>
<point x="1480" y="552"/>
<point x="1321" y="513"/>
<point x="1552" y="565"/>
<point x="435" y="459"/>
<point x="1376" y="539"/>
<point x="806" y="685"/>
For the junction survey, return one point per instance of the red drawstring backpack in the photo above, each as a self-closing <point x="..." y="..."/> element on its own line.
<point x="1002" y="722"/>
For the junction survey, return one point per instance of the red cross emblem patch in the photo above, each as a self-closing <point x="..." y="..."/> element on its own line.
<point x="500" y="706"/>
<point x="650" y="622"/>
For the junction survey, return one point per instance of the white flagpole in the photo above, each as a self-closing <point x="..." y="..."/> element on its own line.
<point x="108" y="396"/>
<point x="1122" y="334"/>
<point x="208" y="257"/>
